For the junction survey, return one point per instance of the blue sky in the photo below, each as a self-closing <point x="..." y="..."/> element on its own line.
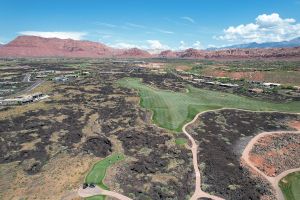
<point x="153" y="24"/>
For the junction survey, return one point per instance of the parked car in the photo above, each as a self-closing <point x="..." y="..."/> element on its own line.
<point x="85" y="185"/>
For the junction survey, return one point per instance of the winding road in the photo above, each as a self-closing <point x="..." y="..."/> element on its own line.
<point x="89" y="192"/>
<point x="245" y="156"/>
<point x="272" y="180"/>
<point x="199" y="193"/>
<point x="194" y="148"/>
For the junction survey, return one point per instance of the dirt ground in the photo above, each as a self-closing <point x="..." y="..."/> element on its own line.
<point x="183" y="68"/>
<point x="295" y="125"/>
<point x="222" y="137"/>
<point x="276" y="154"/>
<point x="57" y="178"/>
<point x="47" y="148"/>
<point x="277" y="77"/>
<point x="83" y="121"/>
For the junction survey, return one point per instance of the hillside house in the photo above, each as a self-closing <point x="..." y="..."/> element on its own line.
<point x="230" y="85"/>
<point x="23" y="99"/>
<point x="271" y="84"/>
<point x="256" y="90"/>
<point x="60" y="79"/>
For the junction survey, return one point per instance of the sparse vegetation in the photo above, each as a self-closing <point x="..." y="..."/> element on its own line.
<point x="90" y="117"/>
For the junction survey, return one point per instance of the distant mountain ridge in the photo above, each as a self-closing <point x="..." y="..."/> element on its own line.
<point x="33" y="46"/>
<point x="290" y="43"/>
<point x="271" y="53"/>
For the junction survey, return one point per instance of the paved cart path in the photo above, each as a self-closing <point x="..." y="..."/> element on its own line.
<point x="194" y="148"/>
<point x="272" y="180"/>
<point x="198" y="193"/>
<point x="89" y="192"/>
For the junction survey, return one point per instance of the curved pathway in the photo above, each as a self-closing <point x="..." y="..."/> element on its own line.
<point x="194" y="148"/>
<point x="272" y="180"/>
<point x="198" y="193"/>
<point x="89" y="192"/>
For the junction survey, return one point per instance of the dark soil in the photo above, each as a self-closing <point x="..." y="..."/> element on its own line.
<point x="219" y="134"/>
<point x="150" y="148"/>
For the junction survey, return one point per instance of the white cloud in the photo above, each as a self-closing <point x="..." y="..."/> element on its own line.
<point x="189" y="19"/>
<point x="198" y="45"/>
<point x="156" y="45"/>
<point x="165" y="31"/>
<point x="134" y="25"/>
<point x="266" y="28"/>
<point x="124" y="45"/>
<point x="106" y="24"/>
<point x="183" y="46"/>
<point x="211" y="46"/>
<point x="61" y="35"/>
<point x="107" y="36"/>
<point x="152" y="46"/>
<point x="272" y="20"/>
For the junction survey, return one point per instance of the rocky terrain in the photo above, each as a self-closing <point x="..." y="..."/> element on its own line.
<point x="275" y="53"/>
<point x="48" y="147"/>
<point x="289" y="43"/>
<point x="32" y="46"/>
<point x="134" y="52"/>
<point x="222" y="136"/>
<point x="169" y="54"/>
<point x="276" y="154"/>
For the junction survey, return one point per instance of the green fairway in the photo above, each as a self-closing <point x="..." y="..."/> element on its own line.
<point x="172" y="110"/>
<point x="290" y="186"/>
<point x="97" y="173"/>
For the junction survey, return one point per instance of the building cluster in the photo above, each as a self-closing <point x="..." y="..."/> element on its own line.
<point x="206" y="80"/>
<point x="25" y="99"/>
<point x="257" y="87"/>
<point x="60" y="76"/>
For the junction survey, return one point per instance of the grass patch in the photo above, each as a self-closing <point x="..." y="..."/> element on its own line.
<point x="171" y="110"/>
<point x="181" y="141"/>
<point x="99" y="197"/>
<point x="290" y="186"/>
<point x="97" y="173"/>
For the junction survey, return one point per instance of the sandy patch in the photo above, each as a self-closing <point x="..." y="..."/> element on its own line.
<point x="30" y="145"/>
<point x="58" y="178"/>
<point x="154" y="65"/>
<point x="295" y="125"/>
<point x="183" y="68"/>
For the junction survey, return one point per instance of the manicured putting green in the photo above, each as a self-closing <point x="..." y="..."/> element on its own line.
<point x="172" y="110"/>
<point x="290" y="186"/>
<point x="97" y="173"/>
